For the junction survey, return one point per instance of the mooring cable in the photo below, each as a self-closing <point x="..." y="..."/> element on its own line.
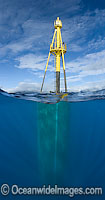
<point x="56" y="137"/>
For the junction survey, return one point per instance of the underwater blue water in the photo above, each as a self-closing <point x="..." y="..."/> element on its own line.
<point x="60" y="144"/>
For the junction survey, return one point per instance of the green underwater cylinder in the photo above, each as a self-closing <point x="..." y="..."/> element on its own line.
<point x="52" y="141"/>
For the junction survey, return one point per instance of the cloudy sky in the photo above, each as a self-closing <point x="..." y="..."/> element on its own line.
<point x="26" y="31"/>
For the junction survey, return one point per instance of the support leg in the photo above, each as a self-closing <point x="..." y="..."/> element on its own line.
<point x="58" y="73"/>
<point x="64" y="71"/>
<point x="57" y="82"/>
<point x="48" y="60"/>
<point x="45" y="72"/>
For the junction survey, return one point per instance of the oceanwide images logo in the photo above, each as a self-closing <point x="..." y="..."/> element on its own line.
<point x="48" y="190"/>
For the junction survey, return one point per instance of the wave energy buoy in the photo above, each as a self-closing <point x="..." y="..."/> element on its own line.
<point x="58" y="49"/>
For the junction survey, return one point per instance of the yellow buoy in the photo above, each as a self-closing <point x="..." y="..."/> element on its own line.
<point x="58" y="49"/>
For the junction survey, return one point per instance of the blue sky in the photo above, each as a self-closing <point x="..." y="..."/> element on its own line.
<point x="26" y="31"/>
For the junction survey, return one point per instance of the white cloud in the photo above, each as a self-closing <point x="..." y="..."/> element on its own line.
<point x="90" y="64"/>
<point x="35" y="34"/>
<point x="91" y="86"/>
<point x="28" y="27"/>
<point x="31" y="87"/>
<point x="96" y="44"/>
<point x="25" y="86"/>
<point x="34" y="62"/>
<point x="80" y="30"/>
<point x="31" y="61"/>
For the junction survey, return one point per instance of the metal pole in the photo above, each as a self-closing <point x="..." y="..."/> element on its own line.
<point x="45" y="72"/>
<point x="58" y="54"/>
<point x="64" y="72"/>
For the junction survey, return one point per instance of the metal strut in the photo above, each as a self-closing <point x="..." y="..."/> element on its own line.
<point x="45" y="71"/>
<point x="63" y="65"/>
<point x="48" y="61"/>
<point x="64" y="72"/>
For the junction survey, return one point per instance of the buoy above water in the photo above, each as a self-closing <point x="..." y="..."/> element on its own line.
<point x="58" y="49"/>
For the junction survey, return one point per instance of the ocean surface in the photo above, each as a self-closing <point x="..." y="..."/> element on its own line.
<point x="52" y="139"/>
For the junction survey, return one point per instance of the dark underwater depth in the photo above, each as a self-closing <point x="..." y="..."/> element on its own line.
<point x="61" y="144"/>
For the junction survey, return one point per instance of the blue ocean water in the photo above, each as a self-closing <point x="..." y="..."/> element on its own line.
<point x="61" y="144"/>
